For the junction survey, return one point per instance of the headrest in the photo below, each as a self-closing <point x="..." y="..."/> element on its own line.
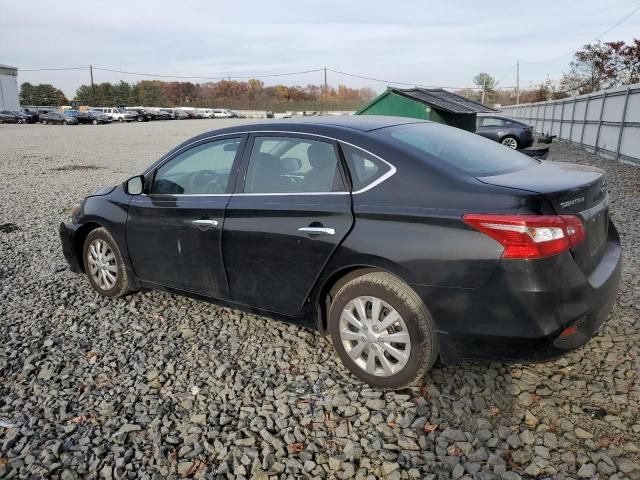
<point x="321" y="156"/>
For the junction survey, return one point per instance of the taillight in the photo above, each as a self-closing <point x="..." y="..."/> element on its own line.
<point x="530" y="236"/>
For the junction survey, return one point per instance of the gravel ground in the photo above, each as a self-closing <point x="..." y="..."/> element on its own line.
<point x="155" y="386"/>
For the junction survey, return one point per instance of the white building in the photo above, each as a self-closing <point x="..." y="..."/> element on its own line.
<point x="9" y="88"/>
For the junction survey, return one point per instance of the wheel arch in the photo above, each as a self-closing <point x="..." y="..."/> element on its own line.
<point x="339" y="277"/>
<point x="79" y="239"/>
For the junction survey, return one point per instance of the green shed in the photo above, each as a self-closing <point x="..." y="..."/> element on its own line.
<point x="433" y="104"/>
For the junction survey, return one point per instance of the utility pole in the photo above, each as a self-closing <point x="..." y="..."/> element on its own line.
<point x="484" y="86"/>
<point x="325" y="91"/>
<point x="93" y="88"/>
<point x="518" y="82"/>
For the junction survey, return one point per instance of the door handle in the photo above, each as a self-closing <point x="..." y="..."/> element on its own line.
<point x="317" y="230"/>
<point x="205" y="224"/>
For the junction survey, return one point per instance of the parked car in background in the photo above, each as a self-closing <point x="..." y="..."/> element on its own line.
<point x="142" y="115"/>
<point x="95" y="118"/>
<point x="181" y="114"/>
<point x="508" y="132"/>
<point x="8" y="117"/>
<point x="170" y="113"/>
<point x="26" y="116"/>
<point x="221" y="113"/>
<point x="478" y="251"/>
<point x="57" y="118"/>
<point x="19" y="116"/>
<point x="116" y="114"/>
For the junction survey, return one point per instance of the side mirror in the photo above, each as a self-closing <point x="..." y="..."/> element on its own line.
<point x="135" y="185"/>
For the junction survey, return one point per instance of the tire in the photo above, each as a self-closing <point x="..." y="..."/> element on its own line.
<point x="95" y="122"/>
<point x="65" y="123"/>
<point x="421" y="346"/>
<point x="121" y="120"/>
<point x="511" y="142"/>
<point x="44" y="122"/>
<point x="101" y="247"/>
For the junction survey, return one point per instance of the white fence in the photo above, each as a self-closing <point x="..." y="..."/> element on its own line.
<point x="606" y="123"/>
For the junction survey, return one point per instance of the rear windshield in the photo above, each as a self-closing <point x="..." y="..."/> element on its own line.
<point x="468" y="152"/>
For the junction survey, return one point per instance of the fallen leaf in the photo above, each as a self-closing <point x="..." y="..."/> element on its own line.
<point x="80" y="419"/>
<point x="515" y="428"/>
<point x="4" y="461"/>
<point x="392" y="424"/>
<point x="604" y="442"/>
<point x="536" y="397"/>
<point x="91" y="354"/>
<point x="430" y="427"/>
<point x="424" y="391"/>
<point x="493" y="411"/>
<point x="195" y="468"/>
<point x="295" y="447"/>
<point x="173" y="456"/>
<point x="531" y="423"/>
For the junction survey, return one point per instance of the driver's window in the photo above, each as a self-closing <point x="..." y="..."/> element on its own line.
<point x="204" y="169"/>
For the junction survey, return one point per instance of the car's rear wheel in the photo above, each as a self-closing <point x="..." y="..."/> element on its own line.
<point x="103" y="264"/>
<point x="44" y="122"/>
<point x="511" y="142"/>
<point x="121" y="119"/>
<point x="95" y="122"/>
<point x="382" y="331"/>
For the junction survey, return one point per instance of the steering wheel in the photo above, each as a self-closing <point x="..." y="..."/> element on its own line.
<point x="205" y="181"/>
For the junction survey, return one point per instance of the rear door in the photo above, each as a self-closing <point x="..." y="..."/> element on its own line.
<point x="291" y="209"/>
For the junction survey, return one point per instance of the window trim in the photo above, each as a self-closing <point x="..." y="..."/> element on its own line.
<point x="245" y="134"/>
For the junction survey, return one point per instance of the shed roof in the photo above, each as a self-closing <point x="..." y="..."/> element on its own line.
<point x="8" y="67"/>
<point x="442" y="100"/>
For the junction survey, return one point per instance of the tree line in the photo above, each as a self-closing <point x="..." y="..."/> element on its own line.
<point x="249" y="95"/>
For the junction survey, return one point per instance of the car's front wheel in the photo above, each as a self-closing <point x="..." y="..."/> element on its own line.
<point x="103" y="264"/>
<point x="511" y="142"/>
<point x="382" y="331"/>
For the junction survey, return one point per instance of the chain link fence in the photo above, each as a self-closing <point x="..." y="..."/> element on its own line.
<point x="606" y="123"/>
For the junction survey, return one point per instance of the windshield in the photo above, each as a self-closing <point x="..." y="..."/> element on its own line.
<point x="471" y="153"/>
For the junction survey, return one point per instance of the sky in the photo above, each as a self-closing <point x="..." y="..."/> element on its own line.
<point x="435" y="43"/>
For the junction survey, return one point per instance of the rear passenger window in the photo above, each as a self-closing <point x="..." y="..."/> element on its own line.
<point x="364" y="168"/>
<point x="293" y="165"/>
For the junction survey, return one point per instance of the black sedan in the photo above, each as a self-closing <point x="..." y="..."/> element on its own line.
<point x="406" y="241"/>
<point x="57" y="118"/>
<point x="18" y="115"/>
<point x="510" y="133"/>
<point x="95" y="118"/>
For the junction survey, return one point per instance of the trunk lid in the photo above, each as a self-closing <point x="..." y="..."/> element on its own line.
<point x="571" y="190"/>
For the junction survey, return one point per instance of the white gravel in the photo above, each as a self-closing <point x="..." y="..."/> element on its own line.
<point x="158" y="386"/>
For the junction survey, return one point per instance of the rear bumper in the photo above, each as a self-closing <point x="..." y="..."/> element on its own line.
<point x="526" y="140"/>
<point x="519" y="314"/>
<point x="68" y="239"/>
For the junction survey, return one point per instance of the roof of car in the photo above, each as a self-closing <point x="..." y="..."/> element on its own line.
<point x="363" y="123"/>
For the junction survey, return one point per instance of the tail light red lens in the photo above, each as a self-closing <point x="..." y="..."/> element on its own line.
<point x="530" y="236"/>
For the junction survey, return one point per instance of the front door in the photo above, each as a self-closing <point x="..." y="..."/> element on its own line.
<point x="291" y="210"/>
<point x="174" y="229"/>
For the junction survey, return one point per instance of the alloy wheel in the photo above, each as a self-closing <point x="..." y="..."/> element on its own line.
<point x="375" y="336"/>
<point x="102" y="264"/>
<point x="510" y="142"/>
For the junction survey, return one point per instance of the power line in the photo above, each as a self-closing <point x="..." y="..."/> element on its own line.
<point x="399" y="83"/>
<point x="193" y="77"/>
<point x="51" y="69"/>
<point x="623" y="19"/>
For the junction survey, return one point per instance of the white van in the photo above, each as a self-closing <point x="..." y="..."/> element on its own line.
<point x="222" y="113"/>
<point x="118" y="114"/>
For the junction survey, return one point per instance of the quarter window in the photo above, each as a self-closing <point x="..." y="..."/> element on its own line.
<point x="204" y="169"/>
<point x="292" y="165"/>
<point x="364" y="168"/>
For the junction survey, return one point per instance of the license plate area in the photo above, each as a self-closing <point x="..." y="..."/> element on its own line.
<point x="597" y="231"/>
